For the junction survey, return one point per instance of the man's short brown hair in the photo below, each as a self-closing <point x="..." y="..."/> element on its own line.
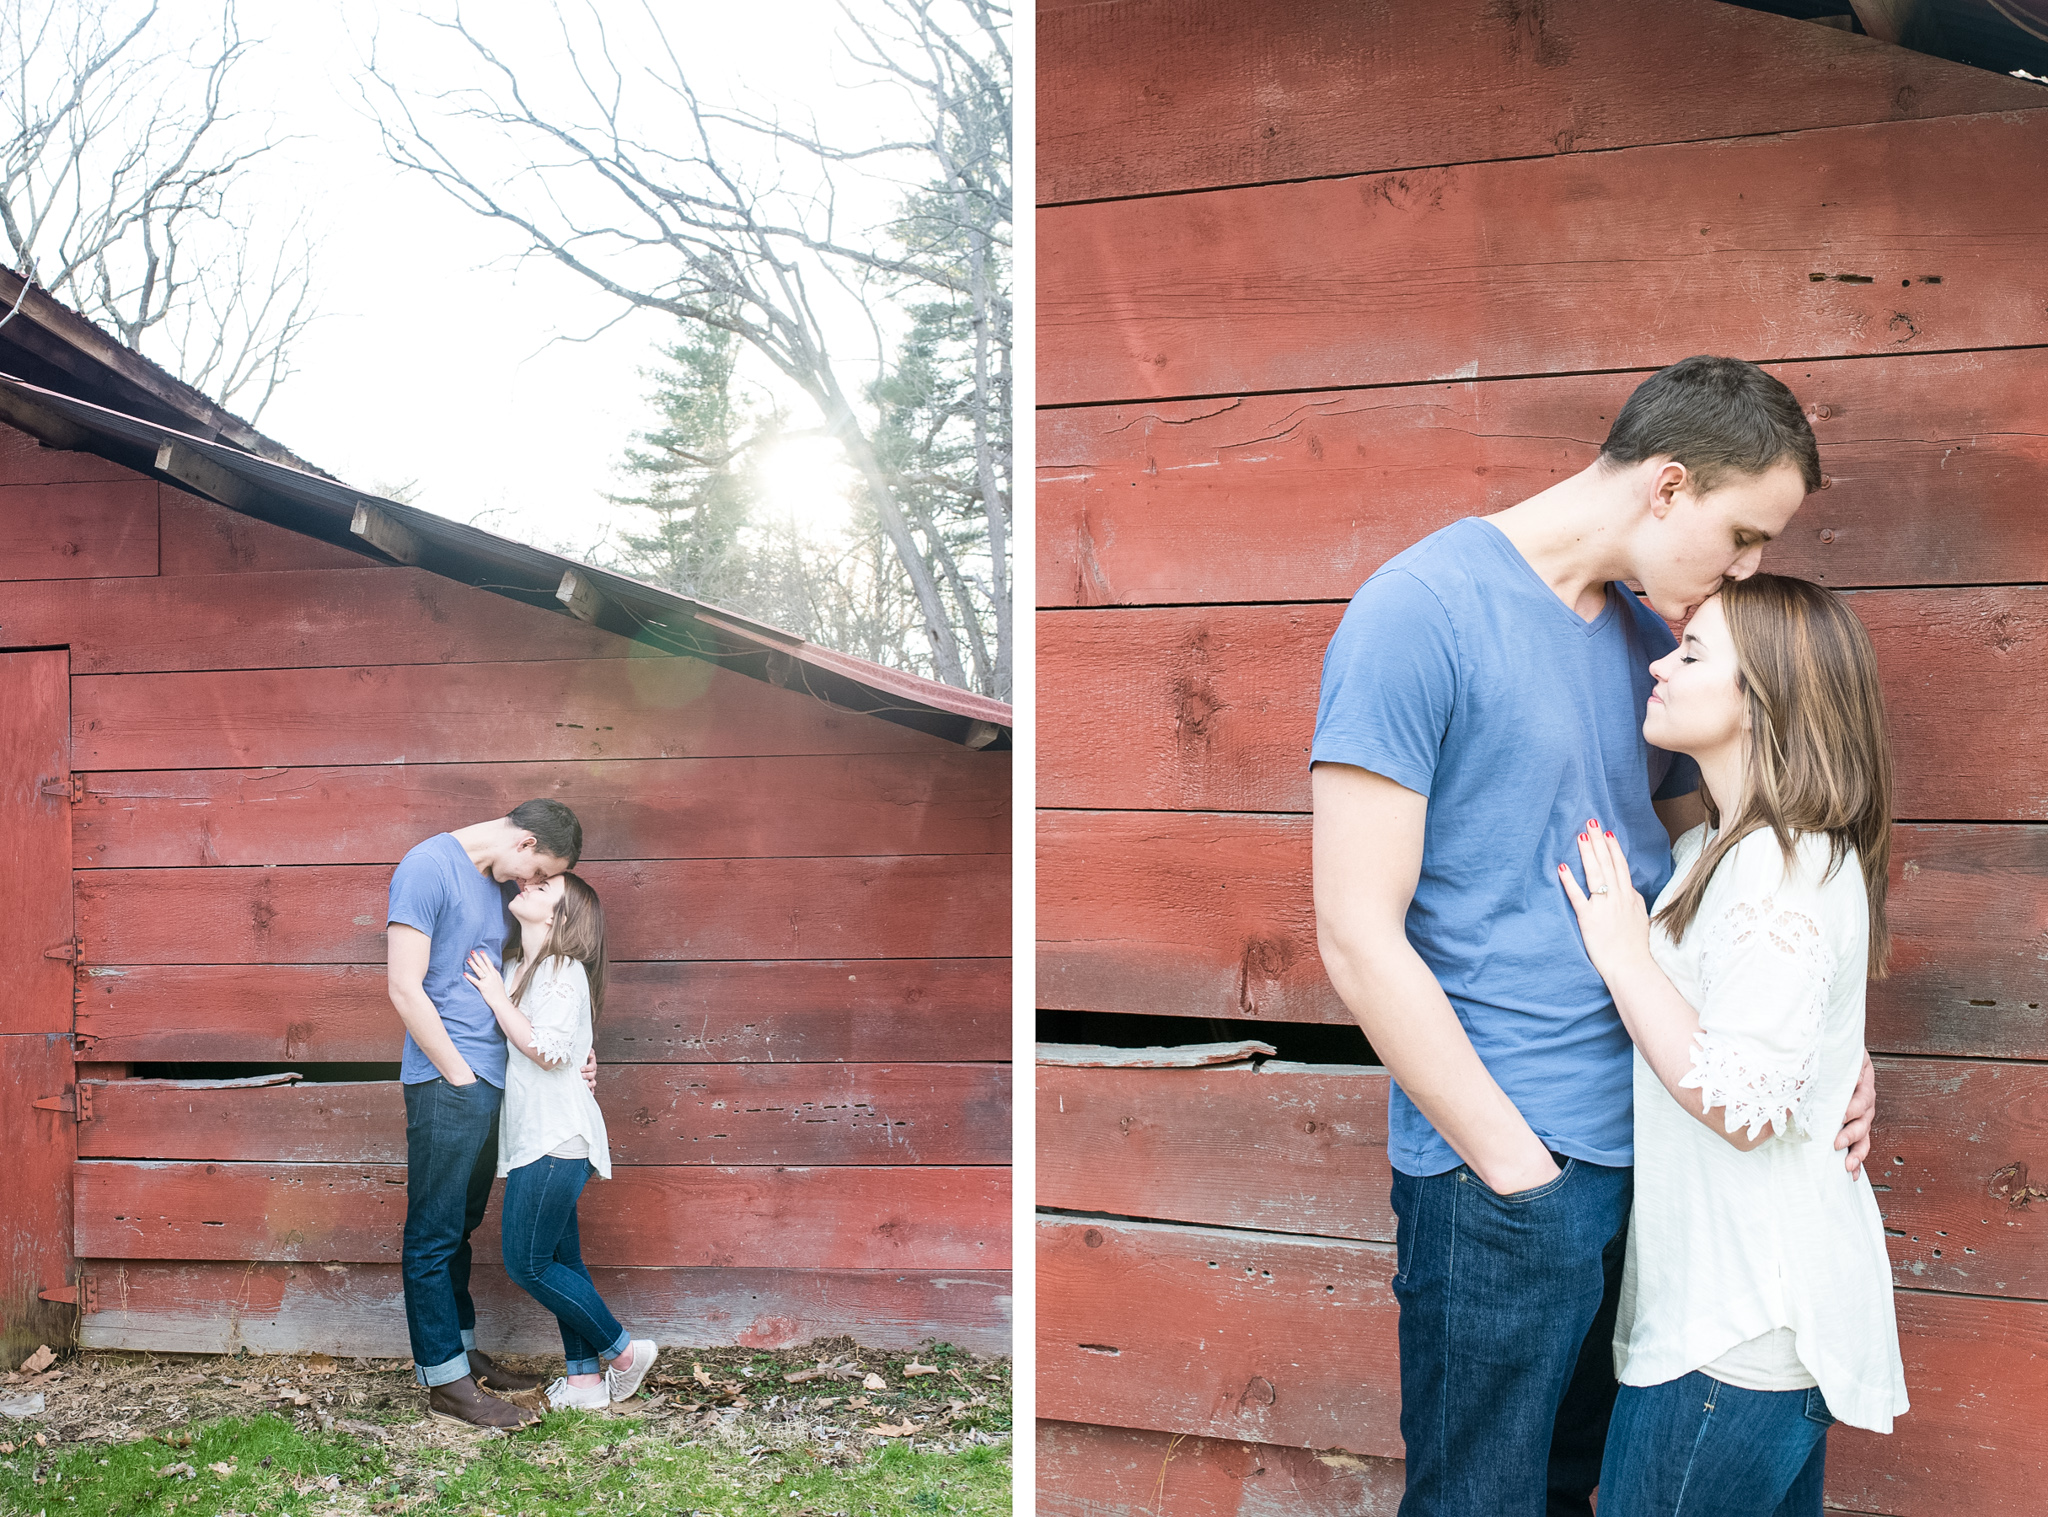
<point x="1717" y="416"/>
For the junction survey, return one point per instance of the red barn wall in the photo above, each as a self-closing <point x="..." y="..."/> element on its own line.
<point x="804" y="1047"/>
<point x="1315" y="280"/>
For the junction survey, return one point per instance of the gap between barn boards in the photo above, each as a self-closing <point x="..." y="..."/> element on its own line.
<point x="1207" y="605"/>
<point x="1460" y="163"/>
<point x="1480" y="379"/>
<point x="1267" y="816"/>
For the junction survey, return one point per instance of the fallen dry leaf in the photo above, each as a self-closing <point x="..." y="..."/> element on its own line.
<point x="41" y="1441"/>
<point x="698" y="1371"/>
<point x="178" y="1471"/>
<point x="222" y="1468"/>
<point x="908" y="1427"/>
<point x="800" y="1376"/>
<point x="858" y="1401"/>
<point x="6" y="1448"/>
<point x="39" y="1361"/>
<point x="874" y="1382"/>
<point x="824" y="1401"/>
<point x="322" y="1364"/>
<point x="914" y="1368"/>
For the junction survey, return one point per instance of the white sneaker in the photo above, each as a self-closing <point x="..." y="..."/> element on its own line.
<point x="588" y="1398"/>
<point x="621" y="1384"/>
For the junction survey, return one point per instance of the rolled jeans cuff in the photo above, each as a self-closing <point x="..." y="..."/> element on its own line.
<point x="443" y="1374"/>
<point x="625" y="1342"/>
<point x="582" y="1367"/>
<point x="469" y="1337"/>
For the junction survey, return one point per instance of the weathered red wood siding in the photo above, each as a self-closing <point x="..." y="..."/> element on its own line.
<point x="809" y="1021"/>
<point x="1317" y="279"/>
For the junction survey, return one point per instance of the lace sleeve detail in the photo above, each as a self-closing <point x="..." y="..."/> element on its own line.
<point x="1764" y="980"/>
<point x="554" y="1009"/>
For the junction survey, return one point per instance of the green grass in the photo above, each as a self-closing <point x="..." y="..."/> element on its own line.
<point x="266" y="1455"/>
<point x="574" y="1463"/>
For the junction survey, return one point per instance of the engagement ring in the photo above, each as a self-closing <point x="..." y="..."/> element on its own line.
<point x="1599" y="890"/>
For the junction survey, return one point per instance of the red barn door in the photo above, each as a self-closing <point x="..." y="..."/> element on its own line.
<point x="37" y="1125"/>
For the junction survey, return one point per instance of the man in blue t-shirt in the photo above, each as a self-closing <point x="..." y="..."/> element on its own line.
<point x="1482" y="704"/>
<point x="448" y="898"/>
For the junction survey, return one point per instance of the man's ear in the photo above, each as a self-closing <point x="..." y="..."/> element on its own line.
<point x="1672" y="478"/>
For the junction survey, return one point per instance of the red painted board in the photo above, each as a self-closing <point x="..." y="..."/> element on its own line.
<point x="203" y="1308"/>
<point x="35" y="1204"/>
<point x="1151" y="96"/>
<point x="77" y="531"/>
<point x="1213" y="707"/>
<point x="1944" y="1128"/>
<point x="710" y="1114"/>
<point x="1555" y="265"/>
<point x="1977" y="1374"/>
<point x="24" y="461"/>
<point x="563" y="709"/>
<point x="714" y="1013"/>
<point x="1183" y="915"/>
<point x="36" y="947"/>
<point x="202" y="538"/>
<point x="1285" y="1148"/>
<point x="1194" y="915"/>
<point x="846" y="1218"/>
<point x="1243" y="1336"/>
<point x="1302" y="1150"/>
<point x="805" y="806"/>
<point x="1292" y="1342"/>
<point x="923" y="906"/>
<point x="1935" y="462"/>
<point x="313" y="618"/>
<point x="1087" y="1471"/>
<point x="1969" y="913"/>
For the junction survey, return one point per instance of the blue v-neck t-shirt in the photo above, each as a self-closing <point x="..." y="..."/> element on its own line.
<point x="1459" y="674"/>
<point x="439" y="891"/>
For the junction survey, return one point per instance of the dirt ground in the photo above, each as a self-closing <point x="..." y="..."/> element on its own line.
<point x="726" y="1395"/>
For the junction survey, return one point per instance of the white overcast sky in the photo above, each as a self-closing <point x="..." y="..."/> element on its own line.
<point x="438" y="360"/>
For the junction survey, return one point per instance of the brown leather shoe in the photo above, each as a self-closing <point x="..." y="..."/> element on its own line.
<point x="464" y="1401"/>
<point x="494" y="1376"/>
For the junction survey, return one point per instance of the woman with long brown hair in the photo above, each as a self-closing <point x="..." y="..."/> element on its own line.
<point x="552" y="1135"/>
<point x="1756" y="1304"/>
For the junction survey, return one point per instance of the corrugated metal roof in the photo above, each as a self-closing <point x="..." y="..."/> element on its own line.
<point x="279" y="489"/>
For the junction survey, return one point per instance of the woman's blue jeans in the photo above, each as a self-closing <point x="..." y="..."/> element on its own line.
<point x="545" y="1259"/>
<point x="1695" y="1447"/>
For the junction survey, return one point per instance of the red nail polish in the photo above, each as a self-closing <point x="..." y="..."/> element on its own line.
<point x="1610" y="834"/>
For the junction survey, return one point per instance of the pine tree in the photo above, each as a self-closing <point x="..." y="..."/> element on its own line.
<point x="699" y="488"/>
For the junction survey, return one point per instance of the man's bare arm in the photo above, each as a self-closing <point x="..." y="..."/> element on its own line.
<point x="1368" y="856"/>
<point x="406" y="953"/>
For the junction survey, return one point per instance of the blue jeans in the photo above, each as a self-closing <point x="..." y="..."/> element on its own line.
<point x="1695" y="1447"/>
<point x="545" y="1259"/>
<point x="451" y="1156"/>
<point x="1507" y="1323"/>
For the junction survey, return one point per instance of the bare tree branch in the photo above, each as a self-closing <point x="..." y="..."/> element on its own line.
<point x="703" y="226"/>
<point x="117" y="180"/>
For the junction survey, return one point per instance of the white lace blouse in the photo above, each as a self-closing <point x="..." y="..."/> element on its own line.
<point x="551" y="1110"/>
<point x="1727" y="1247"/>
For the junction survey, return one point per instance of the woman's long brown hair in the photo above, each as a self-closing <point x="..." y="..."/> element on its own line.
<point x="1818" y="759"/>
<point x="578" y="933"/>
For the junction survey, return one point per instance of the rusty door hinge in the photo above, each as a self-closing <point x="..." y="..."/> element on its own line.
<point x="86" y="1292"/>
<point x="77" y="1101"/>
<point x="67" y="951"/>
<point x="62" y="789"/>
